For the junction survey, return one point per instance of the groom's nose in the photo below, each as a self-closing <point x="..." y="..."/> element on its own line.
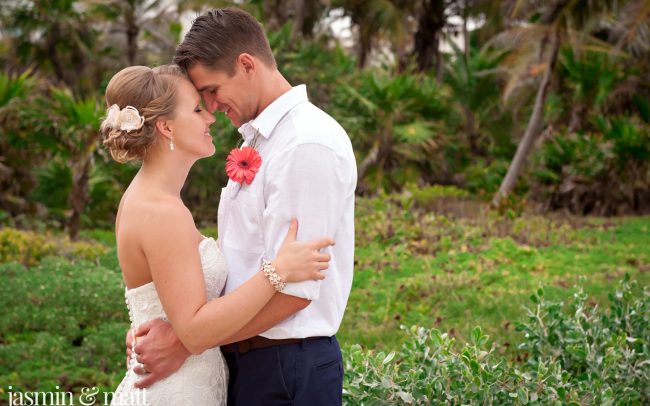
<point x="211" y="105"/>
<point x="210" y="102"/>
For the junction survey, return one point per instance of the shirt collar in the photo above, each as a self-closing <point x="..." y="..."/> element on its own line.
<point x="269" y="118"/>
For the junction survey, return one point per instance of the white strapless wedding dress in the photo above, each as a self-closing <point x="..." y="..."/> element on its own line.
<point x="203" y="379"/>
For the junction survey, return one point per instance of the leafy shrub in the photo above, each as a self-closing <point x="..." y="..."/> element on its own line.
<point x="396" y="124"/>
<point x="58" y="297"/>
<point x="606" y="353"/>
<point x="315" y="62"/>
<point x="484" y="179"/>
<point x="54" y="182"/>
<point x="61" y="323"/>
<point x="29" y="248"/>
<point x="575" y="355"/>
<point x="24" y="247"/>
<point x="605" y="172"/>
<point x="428" y="370"/>
<point x="435" y="219"/>
<point x="433" y="197"/>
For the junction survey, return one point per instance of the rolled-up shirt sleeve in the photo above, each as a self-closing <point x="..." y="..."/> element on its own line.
<point x="309" y="183"/>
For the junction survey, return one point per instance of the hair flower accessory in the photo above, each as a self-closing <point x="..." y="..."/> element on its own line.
<point x="126" y="119"/>
<point x="242" y="164"/>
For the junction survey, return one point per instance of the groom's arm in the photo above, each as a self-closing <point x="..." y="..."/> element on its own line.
<point x="277" y="309"/>
<point x="304" y="184"/>
<point x="163" y="353"/>
<point x="310" y="182"/>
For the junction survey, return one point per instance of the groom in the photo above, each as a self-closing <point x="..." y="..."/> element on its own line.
<point x="289" y="353"/>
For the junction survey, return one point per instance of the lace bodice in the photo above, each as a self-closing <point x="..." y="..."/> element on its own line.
<point x="202" y="380"/>
<point x="143" y="301"/>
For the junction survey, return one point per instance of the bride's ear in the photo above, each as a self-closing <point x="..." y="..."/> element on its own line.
<point x="163" y="127"/>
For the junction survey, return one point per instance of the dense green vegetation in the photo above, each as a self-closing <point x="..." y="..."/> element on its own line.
<point x="430" y="93"/>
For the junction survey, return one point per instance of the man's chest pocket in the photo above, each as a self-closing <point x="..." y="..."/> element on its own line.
<point x="240" y="218"/>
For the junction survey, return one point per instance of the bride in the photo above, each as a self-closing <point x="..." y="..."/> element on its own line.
<point x="171" y="271"/>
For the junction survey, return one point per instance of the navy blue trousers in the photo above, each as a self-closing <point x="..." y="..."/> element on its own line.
<point x="308" y="373"/>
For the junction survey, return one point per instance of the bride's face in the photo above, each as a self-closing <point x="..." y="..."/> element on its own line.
<point x="191" y="123"/>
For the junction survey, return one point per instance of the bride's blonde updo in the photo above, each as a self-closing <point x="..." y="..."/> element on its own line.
<point x="152" y="92"/>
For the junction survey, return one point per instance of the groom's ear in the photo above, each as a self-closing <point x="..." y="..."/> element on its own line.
<point x="247" y="62"/>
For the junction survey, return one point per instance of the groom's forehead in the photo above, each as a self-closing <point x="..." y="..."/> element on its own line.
<point x="205" y="78"/>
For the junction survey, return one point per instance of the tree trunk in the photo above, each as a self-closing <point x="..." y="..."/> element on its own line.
<point x="60" y="70"/>
<point x="311" y="17"/>
<point x="132" y="45"/>
<point x="307" y="14"/>
<point x="364" y="50"/>
<point x="300" y="12"/>
<point x="132" y="31"/>
<point x="440" y="66"/>
<point x="79" y="197"/>
<point x="369" y="160"/>
<point x="533" y="130"/>
<point x="427" y="36"/>
<point x="275" y="14"/>
<point x="470" y="131"/>
<point x="577" y="112"/>
<point x="466" y="42"/>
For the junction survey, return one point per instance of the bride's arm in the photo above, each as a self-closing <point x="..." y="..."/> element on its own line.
<point x="172" y="255"/>
<point x="276" y="310"/>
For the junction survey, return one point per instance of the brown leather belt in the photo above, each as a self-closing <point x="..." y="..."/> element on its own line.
<point x="258" y="342"/>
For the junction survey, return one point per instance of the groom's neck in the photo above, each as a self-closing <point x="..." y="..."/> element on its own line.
<point x="271" y="86"/>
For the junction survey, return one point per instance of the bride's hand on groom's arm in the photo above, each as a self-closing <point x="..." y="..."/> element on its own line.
<point x="158" y="349"/>
<point x="298" y="261"/>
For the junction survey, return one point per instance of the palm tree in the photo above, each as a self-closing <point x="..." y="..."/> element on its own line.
<point x="378" y="19"/>
<point x="16" y="178"/>
<point x="135" y="19"/>
<point x="632" y="28"/>
<point x="548" y="25"/>
<point x="472" y="76"/>
<point x="396" y="121"/>
<point x="74" y="124"/>
<point x="307" y="14"/>
<point x="592" y="79"/>
<point x="55" y="37"/>
<point x="432" y="21"/>
<point x="302" y="14"/>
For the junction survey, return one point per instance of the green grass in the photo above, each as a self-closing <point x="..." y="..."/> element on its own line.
<point x="480" y="271"/>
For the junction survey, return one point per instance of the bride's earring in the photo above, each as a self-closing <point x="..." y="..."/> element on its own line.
<point x="171" y="144"/>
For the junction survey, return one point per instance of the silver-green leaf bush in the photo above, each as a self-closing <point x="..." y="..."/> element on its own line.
<point x="576" y="355"/>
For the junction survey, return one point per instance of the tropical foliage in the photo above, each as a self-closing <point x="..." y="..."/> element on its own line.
<point x="560" y="81"/>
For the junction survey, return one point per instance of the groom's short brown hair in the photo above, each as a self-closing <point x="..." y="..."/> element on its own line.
<point x="219" y="36"/>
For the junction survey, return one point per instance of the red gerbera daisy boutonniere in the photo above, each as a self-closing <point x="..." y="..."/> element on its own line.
<point x="242" y="164"/>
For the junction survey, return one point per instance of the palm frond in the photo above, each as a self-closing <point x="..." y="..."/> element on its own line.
<point x="519" y="36"/>
<point x="632" y="30"/>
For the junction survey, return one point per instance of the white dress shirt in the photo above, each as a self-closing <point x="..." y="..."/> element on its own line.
<point x="308" y="172"/>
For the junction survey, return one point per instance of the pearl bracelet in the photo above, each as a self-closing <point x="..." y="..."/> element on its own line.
<point x="274" y="278"/>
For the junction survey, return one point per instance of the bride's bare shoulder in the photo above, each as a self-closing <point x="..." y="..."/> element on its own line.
<point x="150" y="215"/>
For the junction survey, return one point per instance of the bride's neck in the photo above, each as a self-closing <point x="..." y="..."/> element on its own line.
<point x="165" y="175"/>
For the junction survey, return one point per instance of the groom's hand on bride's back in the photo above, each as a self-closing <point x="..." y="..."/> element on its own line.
<point x="158" y="349"/>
